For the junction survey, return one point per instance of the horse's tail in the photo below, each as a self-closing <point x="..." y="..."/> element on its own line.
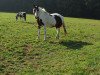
<point x="64" y="27"/>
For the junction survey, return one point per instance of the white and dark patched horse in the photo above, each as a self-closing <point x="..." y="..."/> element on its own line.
<point x="48" y="20"/>
<point x="21" y="15"/>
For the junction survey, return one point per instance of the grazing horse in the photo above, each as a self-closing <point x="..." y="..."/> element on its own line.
<point x="48" y="20"/>
<point x="21" y="15"/>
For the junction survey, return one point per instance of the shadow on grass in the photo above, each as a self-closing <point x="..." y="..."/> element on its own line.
<point x="31" y="23"/>
<point x="74" y="44"/>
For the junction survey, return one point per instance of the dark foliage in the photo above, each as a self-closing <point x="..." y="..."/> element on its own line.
<point x="72" y="8"/>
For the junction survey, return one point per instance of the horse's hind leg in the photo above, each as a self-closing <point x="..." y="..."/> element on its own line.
<point x="38" y="33"/>
<point x="44" y="32"/>
<point x="58" y="31"/>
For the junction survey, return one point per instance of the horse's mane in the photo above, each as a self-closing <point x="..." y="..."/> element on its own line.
<point x="43" y="9"/>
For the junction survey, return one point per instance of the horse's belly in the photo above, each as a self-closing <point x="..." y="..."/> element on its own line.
<point x="50" y="26"/>
<point x="51" y="23"/>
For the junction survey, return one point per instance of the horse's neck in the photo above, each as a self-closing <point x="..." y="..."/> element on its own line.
<point x="44" y="14"/>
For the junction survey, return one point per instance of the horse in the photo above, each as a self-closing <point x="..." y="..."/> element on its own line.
<point x="21" y="15"/>
<point x="46" y="19"/>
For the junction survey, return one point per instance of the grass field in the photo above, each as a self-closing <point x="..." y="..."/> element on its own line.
<point x="21" y="53"/>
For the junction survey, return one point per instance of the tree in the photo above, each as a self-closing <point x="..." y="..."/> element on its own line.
<point x="73" y="8"/>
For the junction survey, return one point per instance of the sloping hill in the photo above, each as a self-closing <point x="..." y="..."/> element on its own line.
<point x="21" y="53"/>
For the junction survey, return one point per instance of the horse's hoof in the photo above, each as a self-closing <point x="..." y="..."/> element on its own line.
<point x="37" y="38"/>
<point x="44" y="39"/>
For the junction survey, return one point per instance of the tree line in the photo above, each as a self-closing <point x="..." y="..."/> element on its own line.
<point x="70" y="8"/>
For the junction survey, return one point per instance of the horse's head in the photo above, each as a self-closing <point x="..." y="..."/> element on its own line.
<point x="36" y="11"/>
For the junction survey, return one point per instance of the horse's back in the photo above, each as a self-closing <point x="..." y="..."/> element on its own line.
<point x="54" y="19"/>
<point x="62" y="18"/>
<point x="49" y="20"/>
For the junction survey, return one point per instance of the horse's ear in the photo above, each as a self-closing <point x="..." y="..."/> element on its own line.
<point x="36" y="6"/>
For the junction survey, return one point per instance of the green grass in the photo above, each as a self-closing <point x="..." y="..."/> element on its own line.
<point x="21" y="53"/>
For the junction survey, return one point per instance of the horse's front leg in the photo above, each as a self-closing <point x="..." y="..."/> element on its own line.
<point x="39" y="26"/>
<point x="58" y="31"/>
<point x="44" y="32"/>
<point x="38" y="33"/>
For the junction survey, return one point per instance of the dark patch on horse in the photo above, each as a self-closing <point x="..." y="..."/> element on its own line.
<point x="40" y="23"/>
<point x="24" y="15"/>
<point x="58" y="21"/>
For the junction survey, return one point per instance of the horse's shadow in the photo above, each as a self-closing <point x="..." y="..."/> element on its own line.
<point x="31" y="23"/>
<point x="74" y="44"/>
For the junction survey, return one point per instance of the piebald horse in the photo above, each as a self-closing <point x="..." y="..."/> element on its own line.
<point x="48" y="20"/>
<point x="21" y="15"/>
